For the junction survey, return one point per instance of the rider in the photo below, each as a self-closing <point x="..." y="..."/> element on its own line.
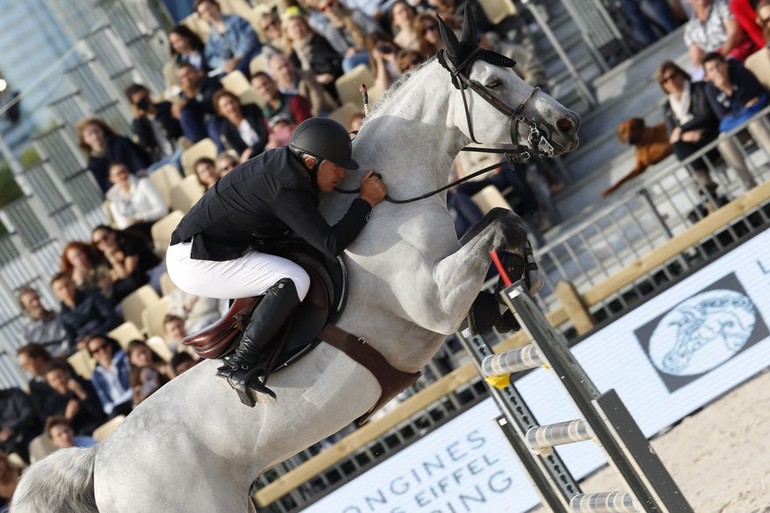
<point x="262" y="200"/>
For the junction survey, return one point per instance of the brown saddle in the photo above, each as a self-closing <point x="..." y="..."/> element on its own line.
<point x="310" y="324"/>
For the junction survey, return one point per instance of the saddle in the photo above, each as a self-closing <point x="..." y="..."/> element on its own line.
<point x="311" y="323"/>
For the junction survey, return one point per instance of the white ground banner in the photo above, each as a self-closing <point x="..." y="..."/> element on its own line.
<point x="670" y="356"/>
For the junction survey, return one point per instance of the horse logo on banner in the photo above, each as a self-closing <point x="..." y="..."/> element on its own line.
<point x="702" y="332"/>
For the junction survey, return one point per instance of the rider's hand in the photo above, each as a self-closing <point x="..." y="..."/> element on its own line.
<point x="372" y="189"/>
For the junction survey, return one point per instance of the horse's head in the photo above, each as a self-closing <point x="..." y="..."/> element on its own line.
<point x="493" y="105"/>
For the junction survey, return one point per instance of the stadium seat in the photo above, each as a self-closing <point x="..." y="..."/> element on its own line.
<point x="102" y="432"/>
<point x="343" y="114"/>
<point x="162" y="228"/>
<point x="759" y="64"/>
<point x="82" y="363"/>
<point x="237" y="83"/>
<point x="40" y="447"/>
<point x="158" y="344"/>
<point x="490" y="197"/>
<point x="497" y="10"/>
<point x="134" y="304"/>
<point x="197" y="25"/>
<point x="347" y="86"/>
<point x="152" y="318"/>
<point x="186" y="193"/>
<point x="166" y="285"/>
<point x="125" y="333"/>
<point x="164" y="178"/>
<point x="203" y="148"/>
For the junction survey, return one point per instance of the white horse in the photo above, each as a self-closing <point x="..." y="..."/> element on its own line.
<point x="193" y="446"/>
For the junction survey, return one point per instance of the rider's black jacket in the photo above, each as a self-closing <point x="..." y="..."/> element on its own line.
<point x="264" y="199"/>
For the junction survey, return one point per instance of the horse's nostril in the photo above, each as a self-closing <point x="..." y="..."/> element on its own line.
<point x="565" y="125"/>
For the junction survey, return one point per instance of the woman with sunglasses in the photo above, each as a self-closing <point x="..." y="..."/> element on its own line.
<point x="111" y="376"/>
<point x="692" y="124"/>
<point x="132" y="260"/>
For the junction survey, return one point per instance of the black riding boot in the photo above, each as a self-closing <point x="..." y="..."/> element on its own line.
<point x="240" y="368"/>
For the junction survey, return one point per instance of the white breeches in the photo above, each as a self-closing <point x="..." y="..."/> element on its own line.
<point x="247" y="276"/>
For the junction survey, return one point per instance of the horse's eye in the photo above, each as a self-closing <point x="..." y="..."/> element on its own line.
<point x="494" y="84"/>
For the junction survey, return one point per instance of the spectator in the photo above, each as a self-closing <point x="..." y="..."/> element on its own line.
<point x="735" y="95"/>
<point x="713" y="28"/>
<point x="140" y="355"/>
<point x="181" y="362"/>
<point x="76" y="399"/>
<point x="270" y="28"/>
<point x="62" y="436"/>
<point x="356" y="121"/>
<point x="175" y="332"/>
<point x="155" y="127"/>
<point x="429" y="40"/>
<point x="311" y="51"/>
<point x="194" y="107"/>
<point x="232" y="42"/>
<point x="226" y="162"/>
<point x="291" y="80"/>
<point x="347" y="30"/>
<point x="145" y="381"/>
<point x="206" y="171"/>
<point x="763" y="19"/>
<point x="34" y="359"/>
<point x="83" y="312"/>
<point x="294" y="106"/>
<point x="197" y="312"/>
<point x="464" y="211"/>
<point x="282" y="127"/>
<point x="383" y="64"/>
<point x="134" y="201"/>
<point x="102" y="146"/>
<point x="746" y="16"/>
<point x="692" y="124"/>
<point x="186" y="48"/>
<point x="111" y="375"/>
<point x="45" y="326"/>
<point x="647" y="30"/>
<point x="402" y="17"/>
<point x="9" y="478"/>
<point x="407" y="60"/>
<point x="132" y="261"/>
<point x="87" y="267"/>
<point x="244" y="127"/>
<point x="18" y="422"/>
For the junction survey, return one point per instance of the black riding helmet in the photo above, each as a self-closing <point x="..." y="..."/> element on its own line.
<point x="325" y="139"/>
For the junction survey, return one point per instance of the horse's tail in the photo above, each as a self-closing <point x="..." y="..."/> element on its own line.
<point x="60" y="483"/>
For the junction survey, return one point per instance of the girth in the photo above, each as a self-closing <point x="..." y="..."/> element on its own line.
<point x="392" y="381"/>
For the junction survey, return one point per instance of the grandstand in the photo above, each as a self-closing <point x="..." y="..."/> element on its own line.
<point x="607" y="255"/>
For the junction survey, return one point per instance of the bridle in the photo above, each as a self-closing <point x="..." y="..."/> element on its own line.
<point x="537" y="144"/>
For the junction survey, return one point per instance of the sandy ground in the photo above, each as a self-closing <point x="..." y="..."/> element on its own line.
<point x="719" y="456"/>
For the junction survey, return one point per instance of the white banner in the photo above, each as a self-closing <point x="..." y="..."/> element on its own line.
<point x="670" y="356"/>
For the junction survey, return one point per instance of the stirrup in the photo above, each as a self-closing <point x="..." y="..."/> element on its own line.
<point x="247" y="385"/>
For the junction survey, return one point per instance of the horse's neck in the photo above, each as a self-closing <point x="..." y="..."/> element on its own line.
<point x="409" y="138"/>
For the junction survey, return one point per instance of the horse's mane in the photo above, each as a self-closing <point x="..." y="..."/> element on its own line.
<point x="393" y="89"/>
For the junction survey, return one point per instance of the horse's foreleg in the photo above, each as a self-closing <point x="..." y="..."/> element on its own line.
<point x="459" y="276"/>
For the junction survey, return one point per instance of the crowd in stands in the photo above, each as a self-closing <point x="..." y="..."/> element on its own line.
<point x="243" y="86"/>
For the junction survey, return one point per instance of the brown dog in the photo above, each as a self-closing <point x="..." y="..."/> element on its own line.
<point x="651" y="143"/>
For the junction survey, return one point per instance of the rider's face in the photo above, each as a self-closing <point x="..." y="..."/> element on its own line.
<point x="329" y="175"/>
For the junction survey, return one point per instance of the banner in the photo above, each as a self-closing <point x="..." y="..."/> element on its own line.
<point x="670" y="356"/>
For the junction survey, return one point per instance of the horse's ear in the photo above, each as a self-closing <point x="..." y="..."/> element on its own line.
<point x="451" y="43"/>
<point x="468" y="35"/>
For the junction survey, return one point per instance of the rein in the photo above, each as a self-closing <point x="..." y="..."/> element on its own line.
<point x="509" y="158"/>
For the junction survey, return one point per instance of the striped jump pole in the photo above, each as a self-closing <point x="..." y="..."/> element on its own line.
<point x="604" y="502"/>
<point x="544" y="438"/>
